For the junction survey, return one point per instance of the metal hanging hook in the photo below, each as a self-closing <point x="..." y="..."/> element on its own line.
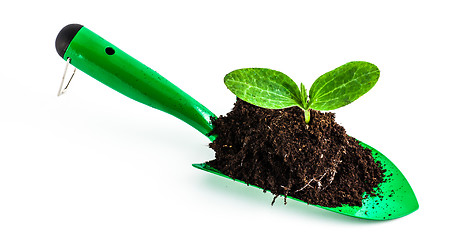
<point x="61" y="89"/>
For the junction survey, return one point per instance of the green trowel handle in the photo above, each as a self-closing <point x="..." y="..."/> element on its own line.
<point x="108" y="64"/>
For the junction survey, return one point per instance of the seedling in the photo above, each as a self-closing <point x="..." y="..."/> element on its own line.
<point x="272" y="89"/>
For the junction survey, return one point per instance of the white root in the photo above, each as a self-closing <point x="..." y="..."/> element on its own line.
<point x="331" y="172"/>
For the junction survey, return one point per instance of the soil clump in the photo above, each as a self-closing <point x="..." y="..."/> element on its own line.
<point x="276" y="151"/>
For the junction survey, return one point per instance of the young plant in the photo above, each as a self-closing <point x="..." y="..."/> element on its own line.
<point x="272" y="89"/>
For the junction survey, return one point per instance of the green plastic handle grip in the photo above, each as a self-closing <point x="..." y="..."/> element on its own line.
<point x="108" y="64"/>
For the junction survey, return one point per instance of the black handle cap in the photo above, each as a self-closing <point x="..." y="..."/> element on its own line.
<point x="65" y="36"/>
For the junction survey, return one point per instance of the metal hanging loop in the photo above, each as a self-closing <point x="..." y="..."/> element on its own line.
<point x="61" y="89"/>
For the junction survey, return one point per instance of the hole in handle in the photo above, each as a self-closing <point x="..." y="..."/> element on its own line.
<point x="110" y="51"/>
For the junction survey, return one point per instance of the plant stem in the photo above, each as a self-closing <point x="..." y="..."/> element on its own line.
<point x="307" y="115"/>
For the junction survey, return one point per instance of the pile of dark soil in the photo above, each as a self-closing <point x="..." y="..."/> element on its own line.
<point x="276" y="151"/>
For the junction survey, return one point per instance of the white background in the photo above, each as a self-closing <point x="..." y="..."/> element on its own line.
<point x="94" y="164"/>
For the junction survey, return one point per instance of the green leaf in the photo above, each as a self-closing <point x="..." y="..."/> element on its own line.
<point x="264" y="87"/>
<point x="343" y="85"/>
